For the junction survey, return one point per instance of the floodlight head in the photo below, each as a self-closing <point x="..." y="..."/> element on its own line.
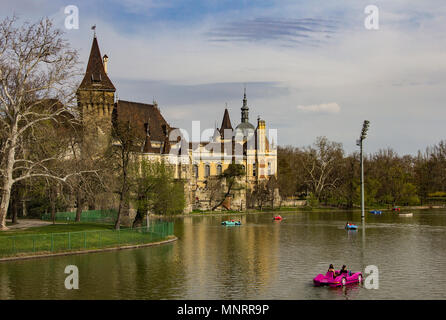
<point x="365" y="128"/>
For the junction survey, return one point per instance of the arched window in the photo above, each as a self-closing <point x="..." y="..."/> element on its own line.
<point x="219" y="169"/>
<point x="253" y="169"/>
<point x="207" y="170"/>
<point x="195" y="171"/>
<point x="269" y="168"/>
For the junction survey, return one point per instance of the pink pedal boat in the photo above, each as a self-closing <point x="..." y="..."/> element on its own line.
<point x="338" y="281"/>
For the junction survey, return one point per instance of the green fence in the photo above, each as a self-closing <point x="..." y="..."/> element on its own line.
<point x="82" y="240"/>
<point x="86" y="216"/>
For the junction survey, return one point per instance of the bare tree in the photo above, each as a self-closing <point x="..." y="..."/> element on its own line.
<point x="320" y="162"/>
<point x="231" y="176"/>
<point x="87" y="157"/>
<point x="214" y="187"/>
<point x="37" y="67"/>
<point x="260" y="194"/>
<point x="125" y="142"/>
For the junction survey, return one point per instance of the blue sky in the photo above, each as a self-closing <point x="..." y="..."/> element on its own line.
<point x="310" y="67"/>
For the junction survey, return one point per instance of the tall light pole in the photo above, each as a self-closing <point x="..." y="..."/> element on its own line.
<point x="365" y="128"/>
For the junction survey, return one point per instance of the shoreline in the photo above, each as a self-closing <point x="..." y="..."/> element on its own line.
<point x="78" y="252"/>
<point x="291" y="210"/>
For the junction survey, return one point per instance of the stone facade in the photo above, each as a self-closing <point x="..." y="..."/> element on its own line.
<point x="198" y="164"/>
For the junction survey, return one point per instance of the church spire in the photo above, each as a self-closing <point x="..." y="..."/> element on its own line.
<point x="245" y="108"/>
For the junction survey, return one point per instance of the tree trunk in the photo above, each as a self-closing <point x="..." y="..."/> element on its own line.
<point x="24" y="209"/>
<point x="15" y="208"/>
<point x="118" y="218"/>
<point x="7" y="182"/>
<point x="6" y="195"/>
<point x="53" y="198"/>
<point x="138" y="221"/>
<point x="121" y="203"/>
<point x="53" y="207"/>
<point x="272" y="200"/>
<point x="224" y="198"/>
<point x="79" y="205"/>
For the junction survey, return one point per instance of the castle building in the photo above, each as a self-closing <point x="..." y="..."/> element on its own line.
<point x="194" y="162"/>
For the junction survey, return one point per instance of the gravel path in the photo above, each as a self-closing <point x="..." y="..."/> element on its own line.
<point x="28" y="223"/>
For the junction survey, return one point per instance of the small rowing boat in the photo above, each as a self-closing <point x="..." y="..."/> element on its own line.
<point x="231" y="223"/>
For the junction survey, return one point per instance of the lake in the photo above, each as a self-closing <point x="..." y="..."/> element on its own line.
<point x="262" y="259"/>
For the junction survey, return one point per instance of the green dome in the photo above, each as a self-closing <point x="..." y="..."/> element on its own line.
<point x="246" y="128"/>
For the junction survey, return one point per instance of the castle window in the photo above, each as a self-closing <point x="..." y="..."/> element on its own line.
<point x="219" y="169"/>
<point x="195" y="171"/>
<point x="269" y="168"/>
<point x="253" y="169"/>
<point x="207" y="170"/>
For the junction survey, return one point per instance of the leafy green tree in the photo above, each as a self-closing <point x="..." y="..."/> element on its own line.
<point x="154" y="189"/>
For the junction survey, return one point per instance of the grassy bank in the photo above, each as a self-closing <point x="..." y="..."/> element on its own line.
<point x="58" y="228"/>
<point x="77" y="237"/>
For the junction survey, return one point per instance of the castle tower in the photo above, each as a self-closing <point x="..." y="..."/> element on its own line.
<point x="245" y="128"/>
<point x="261" y="136"/>
<point x="95" y="99"/>
<point x="245" y="109"/>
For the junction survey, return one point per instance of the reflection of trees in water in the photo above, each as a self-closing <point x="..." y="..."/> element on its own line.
<point x="250" y="256"/>
<point x="155" y="272"/>
<point x="235" y="259"/>
<point x="140" y="273"/>
<point x="211" y="261"/>
<point x="36" y="279"/>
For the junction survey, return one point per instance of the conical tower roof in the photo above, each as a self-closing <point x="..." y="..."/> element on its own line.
<point x="226" y="123"/>
<point x="95" y="76"/>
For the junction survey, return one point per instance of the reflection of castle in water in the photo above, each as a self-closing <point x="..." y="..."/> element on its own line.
<point x="245" y="257"/>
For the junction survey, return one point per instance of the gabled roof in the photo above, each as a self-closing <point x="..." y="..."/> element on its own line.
<point x="138" y="114"/>
<point x="95" y="76"/>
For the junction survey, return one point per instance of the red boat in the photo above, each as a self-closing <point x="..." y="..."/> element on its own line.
<point x="278" y="218"/>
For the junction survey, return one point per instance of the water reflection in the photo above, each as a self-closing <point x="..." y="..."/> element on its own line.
<point x="262" y="259"/>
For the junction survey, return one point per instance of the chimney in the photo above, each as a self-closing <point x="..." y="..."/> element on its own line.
<point x="155" y="104"/>
<point x="105" y="61"/>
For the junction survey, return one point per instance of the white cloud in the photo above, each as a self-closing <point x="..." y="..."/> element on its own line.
<point x="394" y="77"/>
<point x="331" y="107"/>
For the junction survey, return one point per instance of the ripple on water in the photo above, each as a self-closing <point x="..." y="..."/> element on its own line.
<point x="259" y="260"/>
